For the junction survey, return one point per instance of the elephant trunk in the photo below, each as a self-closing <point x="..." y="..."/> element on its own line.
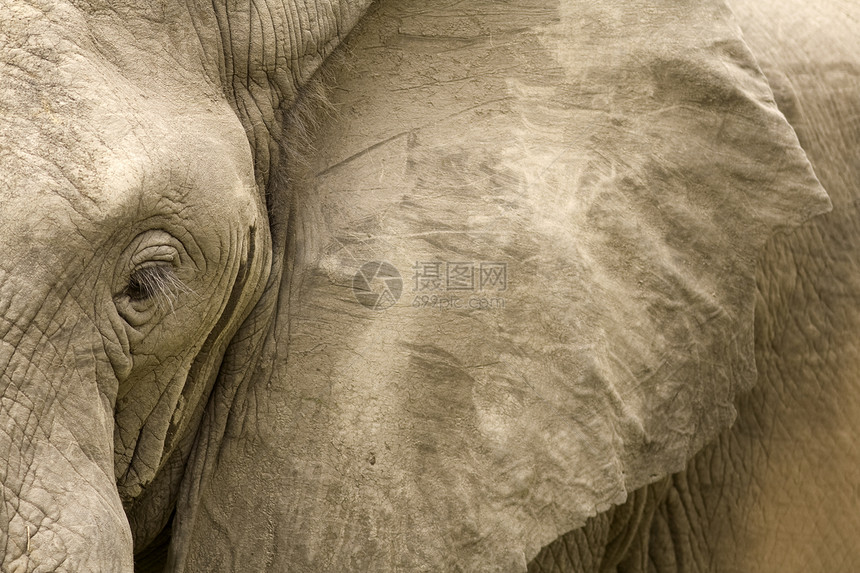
<point x="60" y="508"/>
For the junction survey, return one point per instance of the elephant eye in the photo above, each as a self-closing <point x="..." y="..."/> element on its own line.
<point x="157" y="283"/>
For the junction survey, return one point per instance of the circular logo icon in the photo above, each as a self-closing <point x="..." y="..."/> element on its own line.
<point x="377" y="285"/>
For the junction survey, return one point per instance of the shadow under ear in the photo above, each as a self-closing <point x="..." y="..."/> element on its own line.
<point x="153" y="558"/>
<point x="615" y="540"/>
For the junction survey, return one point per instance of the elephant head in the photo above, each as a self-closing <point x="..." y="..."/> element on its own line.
<point x="135" y="244"/>
<point x="568" y="200"/>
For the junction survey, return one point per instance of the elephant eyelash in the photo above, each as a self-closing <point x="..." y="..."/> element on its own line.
<point x="158" y="283"/>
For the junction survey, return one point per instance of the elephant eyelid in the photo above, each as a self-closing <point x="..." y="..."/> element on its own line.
<point x="158" y="283"/>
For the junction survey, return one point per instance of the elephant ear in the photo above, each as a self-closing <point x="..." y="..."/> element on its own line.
<point x="519" y="284"/>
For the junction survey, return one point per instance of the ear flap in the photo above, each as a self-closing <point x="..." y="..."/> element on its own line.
<point x="569" y="203"/>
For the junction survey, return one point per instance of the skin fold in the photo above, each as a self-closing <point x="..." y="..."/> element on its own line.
<point x="191" y="380"/>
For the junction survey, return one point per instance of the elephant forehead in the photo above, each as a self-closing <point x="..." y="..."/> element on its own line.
<point x="84" y="146"/>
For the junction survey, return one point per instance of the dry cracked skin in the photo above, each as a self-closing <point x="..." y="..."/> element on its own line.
<point x="522" y="286"/>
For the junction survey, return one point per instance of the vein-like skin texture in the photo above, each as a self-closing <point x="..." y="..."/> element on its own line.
<point x="569" y="198"/>
<point x="780" y="490"/>
<point x="626" y="162"/>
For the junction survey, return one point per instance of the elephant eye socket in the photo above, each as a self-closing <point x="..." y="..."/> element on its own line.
<point x="157" y="283"/>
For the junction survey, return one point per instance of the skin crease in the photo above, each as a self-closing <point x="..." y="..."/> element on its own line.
<point x="140" y="175"/>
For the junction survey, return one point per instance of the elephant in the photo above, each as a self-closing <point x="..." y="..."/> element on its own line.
<point x="434" y="286"/>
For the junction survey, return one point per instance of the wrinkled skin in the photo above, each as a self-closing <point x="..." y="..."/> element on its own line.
<point x="778" y="491"/>
<point x="112" y="182"/>
<point x="180" y="347"/>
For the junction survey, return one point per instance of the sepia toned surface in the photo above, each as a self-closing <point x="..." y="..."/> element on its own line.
<point x="490" y="276"/>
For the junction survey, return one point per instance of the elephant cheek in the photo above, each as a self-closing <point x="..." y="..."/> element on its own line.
<point x="61" y="509"/>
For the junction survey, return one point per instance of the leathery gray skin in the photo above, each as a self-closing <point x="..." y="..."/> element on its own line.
<point x="777" y="491"/>
<point x="161" y="256"/>
<point x="134" y="243"/>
